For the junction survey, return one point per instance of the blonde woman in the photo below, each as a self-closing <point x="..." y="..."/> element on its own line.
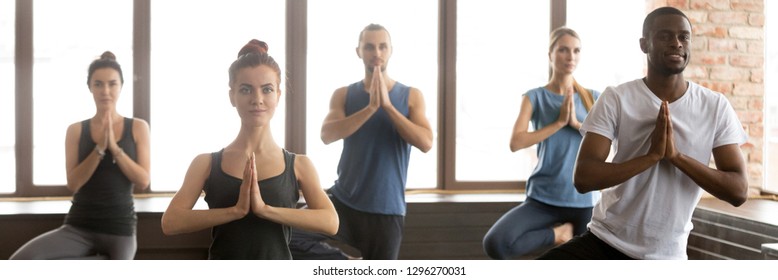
<point x="554" y="211"/>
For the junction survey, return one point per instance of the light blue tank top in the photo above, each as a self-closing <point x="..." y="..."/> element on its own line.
<point x="374" y="163"/>
<point x="552" y="180"/>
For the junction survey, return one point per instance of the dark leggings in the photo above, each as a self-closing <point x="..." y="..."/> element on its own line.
<point x="528" y="228"/>
<point x="585" y="247"/>
<point x="69" y="242"/>
<point x="376" y="236"/>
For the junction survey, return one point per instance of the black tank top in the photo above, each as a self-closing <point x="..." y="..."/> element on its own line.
<point x="251" y="237"/>
<point x="104" y="204"/>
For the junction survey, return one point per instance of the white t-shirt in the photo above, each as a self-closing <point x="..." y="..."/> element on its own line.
<point x="649" y="215"/>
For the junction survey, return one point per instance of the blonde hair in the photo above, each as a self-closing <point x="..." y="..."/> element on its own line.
<point x="586" y="96"/>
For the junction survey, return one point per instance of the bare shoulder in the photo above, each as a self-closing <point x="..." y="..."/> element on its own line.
<point x="340" y="93"/>
<point x="140" y="129"/>
<point x="415" y="93"/>
<point x="415" y="97"/>
<point x="302" y="163"/>
<point x="138" y="123"/>
<point x="338" y="97"/>
<point x="201" y="162"/>
<point x="194" y="182"/>
<point x="305" y="170"/>
<point x="73" y="134"/>
<point x="199" y="169"/>
<point x="74" y="129"/>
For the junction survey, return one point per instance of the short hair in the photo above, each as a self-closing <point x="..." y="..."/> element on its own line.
<point x="373" y="27"/>
<point x="651" y="17"/>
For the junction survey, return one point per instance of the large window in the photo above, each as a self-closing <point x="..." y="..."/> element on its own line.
<point x="65" y="44"/>
<point x="770" y="98"/>
<point x="498" y="60"/>
<point x="333" y="34"/>
<point x="471" y="59"/>
<point x="7" y="100"/>
<point x="190" y="108"/>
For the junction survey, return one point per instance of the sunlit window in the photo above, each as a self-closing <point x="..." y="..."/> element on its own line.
<point x="770" y="98"/>
<point x="498" y="60"/>
<point x="7" y="93"/>
<point x="333" y="34"/>
<point x="65" y="45"/>
<point x="191" y="52"/>
<point x="610" y="53"/>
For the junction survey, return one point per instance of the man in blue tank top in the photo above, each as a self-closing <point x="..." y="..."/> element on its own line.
<point x="379" y="119"/>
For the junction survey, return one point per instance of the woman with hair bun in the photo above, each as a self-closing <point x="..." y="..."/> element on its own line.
<point x="105" y="156"/>
<point x="252" y="185"/>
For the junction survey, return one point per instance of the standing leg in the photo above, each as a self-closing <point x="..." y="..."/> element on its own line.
<point x="381" y="236"/>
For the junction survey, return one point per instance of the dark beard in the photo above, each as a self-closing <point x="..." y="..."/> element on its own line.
<point x="667" y="71"/>
<point x="671" y="71"/>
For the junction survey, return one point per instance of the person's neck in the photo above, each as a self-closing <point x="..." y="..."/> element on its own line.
<point x="258" y="140"/>
<point x="99" y="116"/>
<point x="666" y="87"/>
<point x="561" y="84"/>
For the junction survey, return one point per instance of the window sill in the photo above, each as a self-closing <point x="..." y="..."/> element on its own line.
<point x="157" y="203"/>
<point x="755" y="209"/>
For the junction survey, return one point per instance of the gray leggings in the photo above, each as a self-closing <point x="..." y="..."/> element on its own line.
<point x="69" y="242"/>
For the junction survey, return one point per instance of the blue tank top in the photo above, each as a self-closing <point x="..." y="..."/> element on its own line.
<point x="374" y="163"/>
<point x="552" y="180"/>
<point x="105" y="204"/>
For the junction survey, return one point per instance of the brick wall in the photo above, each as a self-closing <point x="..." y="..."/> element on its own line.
<point x="728" y="57"/>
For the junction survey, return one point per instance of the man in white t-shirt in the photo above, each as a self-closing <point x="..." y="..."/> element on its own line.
<point x="664" y="130"/>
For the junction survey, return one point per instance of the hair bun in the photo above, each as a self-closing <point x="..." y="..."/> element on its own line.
<point x="254" y="46"/>
<point x="108" y="55"/>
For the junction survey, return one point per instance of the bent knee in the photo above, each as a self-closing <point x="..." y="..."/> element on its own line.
<point x="495" y="246"/>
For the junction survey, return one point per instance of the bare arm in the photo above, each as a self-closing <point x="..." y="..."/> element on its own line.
<point x="727" y="182"/>
<point x="320" y="216"/>
<point x="137" y="172"/>
<point x="521" y="138"/>
<point x="336" y="125"/>
<point x="181" y="218"/>
<point x="415" y="129"/>
<point x="592" y="172"/>
<point x="78" y="173"/>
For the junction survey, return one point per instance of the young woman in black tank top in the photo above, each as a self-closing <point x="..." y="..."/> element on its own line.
<point x="251" y="186"/>
<point x="106" y="156"/>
